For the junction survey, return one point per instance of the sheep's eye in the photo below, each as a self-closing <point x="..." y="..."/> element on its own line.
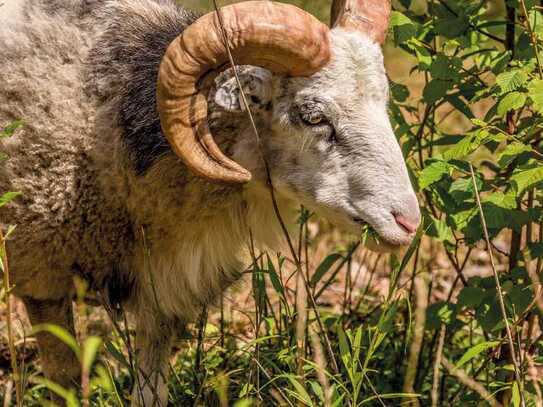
<point x="313" y="119"/>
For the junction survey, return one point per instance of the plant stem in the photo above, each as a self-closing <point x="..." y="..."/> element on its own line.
<point x="11" y="343"/>
<point x="498" y="288"/>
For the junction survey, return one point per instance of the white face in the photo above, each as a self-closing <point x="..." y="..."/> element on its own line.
<point x="329" y="141"/>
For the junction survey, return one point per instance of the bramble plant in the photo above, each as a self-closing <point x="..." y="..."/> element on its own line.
<point x="481" y="67"/>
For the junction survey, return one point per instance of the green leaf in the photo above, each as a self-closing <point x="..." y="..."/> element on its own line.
<point x="511" y="152"/>
<point x="438" y="229"/>
<point x="61" y="334"/>
<point x="386" y="322"/>
<point x="512" y="101"/>
<point x="300" y="392"/>
<point x="470" y="297"/>
<point x="511" y="80"/>
<point x="505" y="201"/>
<point x="462" y="189"/>
<point x="69" y="396"/>
<point x="440" y="313"/>
<point x="7" y="197"/>
<point x="399" y="19"/>
<point x="433" y="173"/>
<point x="274" y="278"/>
<point x="489" y="314"/>
<point x="515" y="395"/>
<point x="323" y="268"/>
<point x="446" y="68"/>
<point x="526" y="179"/>
<point x="452" y="27"/>
<point x="475" y="351"/>
<point x="421" y="52"/>
<point x="535" y="90"/>
<point x="90" y="349"/>
<point x="435" y="90"/>
<point x="470" y="143"/>
<point x="9" y="130"/>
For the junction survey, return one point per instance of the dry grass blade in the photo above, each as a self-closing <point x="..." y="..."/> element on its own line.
<point x="498" y="288"/>
<point x="11" y="343"/>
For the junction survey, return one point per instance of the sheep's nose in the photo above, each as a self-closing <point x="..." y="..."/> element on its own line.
<point x="410" y="219"/>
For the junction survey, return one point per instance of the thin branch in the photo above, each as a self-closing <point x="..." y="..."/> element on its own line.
<point x="467" y="381"/>
<point x="437" y="364"/>
<point x="498" y="288"/>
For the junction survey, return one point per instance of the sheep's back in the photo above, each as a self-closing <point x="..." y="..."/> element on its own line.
<point x="41" y="85"/>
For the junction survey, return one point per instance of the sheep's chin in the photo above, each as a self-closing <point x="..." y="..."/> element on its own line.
<point x="380" y="246"/>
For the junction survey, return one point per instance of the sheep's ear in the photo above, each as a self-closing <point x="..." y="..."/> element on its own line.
<point x="256" y="83"/>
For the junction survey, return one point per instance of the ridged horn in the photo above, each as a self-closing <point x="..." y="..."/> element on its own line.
<point x="368" y="16"/>
<point x="279" y="37"/>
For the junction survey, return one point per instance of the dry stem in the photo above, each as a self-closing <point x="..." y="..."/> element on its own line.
<point x="499" y="289"/>
<point x="11" y="343"/>
<point x="467" y="381"/>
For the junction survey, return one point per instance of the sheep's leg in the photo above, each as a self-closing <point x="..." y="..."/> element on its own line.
<point x="153" y="348"/>
<point x="59" y="363"/>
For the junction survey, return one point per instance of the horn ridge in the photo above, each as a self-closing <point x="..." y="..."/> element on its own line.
<point x="370" y="17"/>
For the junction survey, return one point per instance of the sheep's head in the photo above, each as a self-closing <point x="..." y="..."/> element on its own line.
<point x="321" y="108"/>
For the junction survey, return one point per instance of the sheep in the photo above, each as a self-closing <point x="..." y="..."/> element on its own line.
<point x="140" y="171"/>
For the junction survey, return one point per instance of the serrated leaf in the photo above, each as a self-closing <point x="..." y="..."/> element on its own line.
<point x="512" y="101"/>
<point x="506" y="201"/>
<point x="535" y="90"/>
<point x="511" y="152"/>
<point x="433" y="173"/>
<point x="511" y="80"/>
<point x="526" y="179"/>
<point x="475" y="351"/>
<point x="438" y="229"/>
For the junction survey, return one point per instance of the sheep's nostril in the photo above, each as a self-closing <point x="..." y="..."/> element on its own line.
<point x="409" y="225"/>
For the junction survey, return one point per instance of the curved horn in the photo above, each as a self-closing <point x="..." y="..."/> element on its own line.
<point x="368" y="16"/>
<point x="279" y="37"/>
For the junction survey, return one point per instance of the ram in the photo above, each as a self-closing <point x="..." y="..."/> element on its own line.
<point x="140" y="170"/>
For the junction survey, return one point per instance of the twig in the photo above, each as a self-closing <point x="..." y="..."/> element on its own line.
<point x="498" y="288"/>
<point x="533" y="38"/>
<point x="439" y="354"/>
<point x="11" y="344"/>
<point x="421" y="297"/>
<point x="467" y="381"/>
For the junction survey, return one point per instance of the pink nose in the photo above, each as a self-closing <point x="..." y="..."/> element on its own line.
<point x="409" y="225"/>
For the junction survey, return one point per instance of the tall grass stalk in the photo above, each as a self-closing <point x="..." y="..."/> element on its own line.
<point x="512" y="350"/>
<point x="9" y="321"/>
